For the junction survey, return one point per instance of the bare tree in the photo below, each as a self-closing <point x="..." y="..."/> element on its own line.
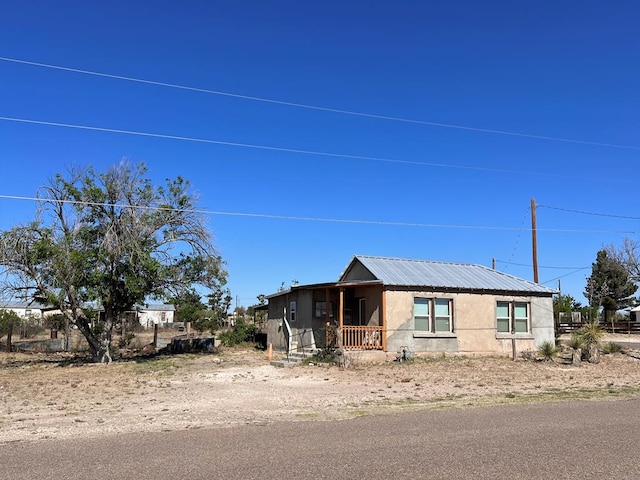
<point x="628" y="254"/>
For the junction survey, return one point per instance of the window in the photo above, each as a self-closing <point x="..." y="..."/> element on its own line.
<point x="432" y="315"/>
<point x="361" y="312"/>
<point x="512" y="317"/>
<point x="421" y="310"/>
<point x="320" y="309"/>
<point x="292" y="312"/>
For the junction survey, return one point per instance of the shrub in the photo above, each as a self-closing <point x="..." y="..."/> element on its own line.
<point x="611" y="347"/>
<point x="241" y="332"/>
<point x="576" y="342"/>
<point x="125" y="341"/>
<point x="6" y="317"/>
<point x="30" y="328"/>
<point x="548" y="350"/>
<point x="325" y="355"/>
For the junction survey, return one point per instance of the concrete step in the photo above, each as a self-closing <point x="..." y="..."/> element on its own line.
<point x="294" y="358"/>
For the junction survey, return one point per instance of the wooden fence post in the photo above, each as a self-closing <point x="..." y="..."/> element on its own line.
<point x="9" y="333"/>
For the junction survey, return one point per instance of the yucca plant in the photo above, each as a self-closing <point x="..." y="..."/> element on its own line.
<point x="576" y="342"/>
<point x="577" y="345"/>
<point x="592" y="334"/>
<point x="612" y="347"/>
<point x="548" y="351"/>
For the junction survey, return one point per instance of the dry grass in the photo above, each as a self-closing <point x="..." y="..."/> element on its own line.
<point x="52" y="396"/>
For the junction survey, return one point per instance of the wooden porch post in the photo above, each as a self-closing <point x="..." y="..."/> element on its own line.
<point x="340" y="317"/>
<point x="383" y="307"/>
<point x="341" y="309"/>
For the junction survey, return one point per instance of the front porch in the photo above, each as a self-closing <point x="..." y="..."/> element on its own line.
<point x="356" y="337"/>
<point x="348" y="315"/>
<point x="360" y="322"/>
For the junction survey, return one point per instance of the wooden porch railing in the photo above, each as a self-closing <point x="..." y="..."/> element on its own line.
<point x="362" y="337"/>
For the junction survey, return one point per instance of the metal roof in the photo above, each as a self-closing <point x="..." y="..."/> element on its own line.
<point x="425" y="273"/>
<point x="25" y="305"/>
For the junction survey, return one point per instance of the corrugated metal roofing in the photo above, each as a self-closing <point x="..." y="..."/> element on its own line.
<point x="425" y="273"/>
<point x="32" y="305"/>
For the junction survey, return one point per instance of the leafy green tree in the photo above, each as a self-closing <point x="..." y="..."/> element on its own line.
<point x="565" y="304"/>
<point x="259" y="316"/>
<point x="8" y="317"/>
<point x="106" y="241"/>
<point x="219" y="302"/>
<point x="609" y="287"/>
<point x="189" y="306"/>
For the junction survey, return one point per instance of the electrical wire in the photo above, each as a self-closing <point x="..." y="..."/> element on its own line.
<point x="517" y="242"/>
<point x="539" y="266"/>
<point x="308" y="219"/>
<point x="565" y="275"/>
<point x="582" y="212"/>
<point x="281" y="149"/>
<point x="320" y="108"/>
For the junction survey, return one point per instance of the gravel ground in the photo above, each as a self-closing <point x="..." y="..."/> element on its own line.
<point x="55" y="396"/>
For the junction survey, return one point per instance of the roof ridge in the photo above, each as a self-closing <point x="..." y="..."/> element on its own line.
<point x="447" y="262"/>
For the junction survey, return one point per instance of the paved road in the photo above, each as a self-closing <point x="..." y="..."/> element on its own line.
<point x="581" y="439"/>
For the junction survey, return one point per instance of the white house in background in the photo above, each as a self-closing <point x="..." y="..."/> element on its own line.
<point x="634" y="314"/>
<point x="150" y="315"/>
<point x="32" y="310"/>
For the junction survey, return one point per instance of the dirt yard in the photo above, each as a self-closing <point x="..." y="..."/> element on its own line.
<point x="55" y="396"/>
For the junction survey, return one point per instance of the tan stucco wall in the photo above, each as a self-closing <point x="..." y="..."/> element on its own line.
<point x="474" y="320"/>
<point x="371" y="297"/>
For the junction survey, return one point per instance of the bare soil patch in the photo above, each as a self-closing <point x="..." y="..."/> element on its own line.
<point x="53" y="396"/>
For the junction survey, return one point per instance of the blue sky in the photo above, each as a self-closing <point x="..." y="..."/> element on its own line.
<point x="564" y="73"/>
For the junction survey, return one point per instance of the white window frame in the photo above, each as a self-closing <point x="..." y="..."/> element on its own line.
<point x="513" y="319"/>
<point x="432" y="315"/>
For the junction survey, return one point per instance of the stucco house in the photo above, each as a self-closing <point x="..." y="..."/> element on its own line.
<point x="385" y="304"/>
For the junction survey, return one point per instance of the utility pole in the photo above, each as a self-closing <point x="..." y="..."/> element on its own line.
<point x="534" y="240"/>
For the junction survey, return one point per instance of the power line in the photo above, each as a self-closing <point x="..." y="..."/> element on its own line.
<point x="318" y="108"/>
<point x="280" y="149"/>
<point x="541" y="266"/>
<point x="566" y="275"/>
<point x="515" y="246"/>
<point x="308" y="219"/>
<point x="582" y="212"/>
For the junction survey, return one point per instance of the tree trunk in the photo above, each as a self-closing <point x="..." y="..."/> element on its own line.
<point x="9" y="334"/>
<point x="593" y="353"/>
<point x="99" y="341"/>
<point x="576" y="357"/>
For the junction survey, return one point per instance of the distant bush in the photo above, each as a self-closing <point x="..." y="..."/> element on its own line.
<point x="241" y="332"/>
<point x="30" y="328"/>
<point x="7" y="317"/>
<point x="125" y="341"/>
